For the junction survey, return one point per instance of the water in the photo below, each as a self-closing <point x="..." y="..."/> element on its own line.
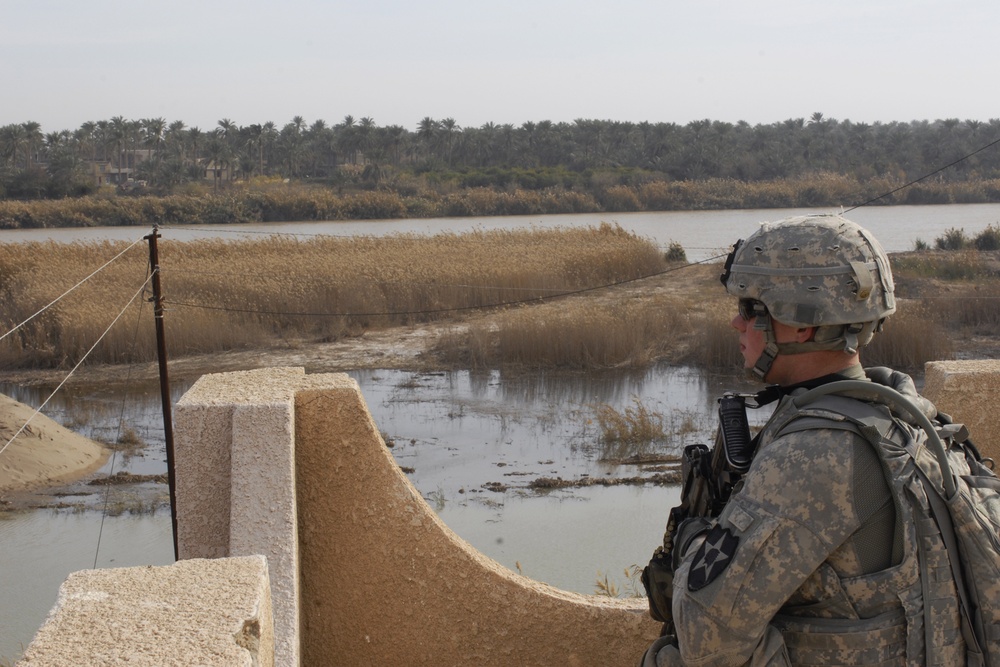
<point x="703" y="234"/>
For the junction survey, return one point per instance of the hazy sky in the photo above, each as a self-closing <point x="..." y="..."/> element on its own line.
<point x="65" y="61"/>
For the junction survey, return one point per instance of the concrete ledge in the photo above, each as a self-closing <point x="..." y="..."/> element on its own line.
<point x="215" y="613"/>
<point x="363" y="571"/>
<point x="967" y="391"/>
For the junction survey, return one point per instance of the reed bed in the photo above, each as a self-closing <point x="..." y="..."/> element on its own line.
<point x="223" y="295"/>
<point x="910" y="338"/>
<point x="418" y="197"/>
<point x="571" y="334"/>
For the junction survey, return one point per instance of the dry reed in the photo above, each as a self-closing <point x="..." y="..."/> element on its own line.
<point x="225" y="294"/>
<point x="572" y="333"/>
<point x="911" y="337"/>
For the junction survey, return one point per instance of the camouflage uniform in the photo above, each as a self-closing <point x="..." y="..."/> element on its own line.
<point x="803" y="567"/>
<point x="819" y="557"/>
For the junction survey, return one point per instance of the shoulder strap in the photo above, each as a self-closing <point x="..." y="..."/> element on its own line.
<point x="941" y="513"/>
<point x="897" y="403"/>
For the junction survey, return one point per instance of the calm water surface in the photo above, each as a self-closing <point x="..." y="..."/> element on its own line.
<point x="703" y="234"/>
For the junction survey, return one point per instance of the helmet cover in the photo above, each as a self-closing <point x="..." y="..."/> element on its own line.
<point x="814" y="271"/>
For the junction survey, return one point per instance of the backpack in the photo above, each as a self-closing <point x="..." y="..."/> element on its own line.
<point x="963" y="494"/>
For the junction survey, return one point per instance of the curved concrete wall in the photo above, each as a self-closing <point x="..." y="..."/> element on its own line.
<point x="369" y="572"/>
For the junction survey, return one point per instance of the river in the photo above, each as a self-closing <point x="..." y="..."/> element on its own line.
<point x="703" y="234"/>
<point x="459" y="432"/>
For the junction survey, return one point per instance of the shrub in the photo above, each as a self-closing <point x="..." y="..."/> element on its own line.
<point x="953" y="239"/>
<point x="988" y="239"/>
<point x="675" y="253"/>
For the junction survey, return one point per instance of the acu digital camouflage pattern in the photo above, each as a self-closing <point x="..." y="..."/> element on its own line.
<point x="814" y="271"/>
<point x="795" y="591"/>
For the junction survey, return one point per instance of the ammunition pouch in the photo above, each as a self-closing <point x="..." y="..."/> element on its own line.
<point x="658" y="580"/>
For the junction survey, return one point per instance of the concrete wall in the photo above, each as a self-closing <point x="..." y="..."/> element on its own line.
<point x="373" y="577"/>
<point x="967" y="391"/>
<point x="197" y="612"/>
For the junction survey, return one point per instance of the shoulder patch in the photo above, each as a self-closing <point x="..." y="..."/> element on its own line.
<point x="713" y="557"/>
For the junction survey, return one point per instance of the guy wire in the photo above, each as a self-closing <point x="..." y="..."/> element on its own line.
<point x="121" y="421"/>
<point x="73" y="370"/>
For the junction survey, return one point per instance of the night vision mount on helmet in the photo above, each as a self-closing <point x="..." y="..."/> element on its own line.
<point x="813" y="271"/>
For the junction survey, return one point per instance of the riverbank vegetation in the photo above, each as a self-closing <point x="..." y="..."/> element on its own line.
<point x="609" y="191"/>
<point x="149" y="171"/>
<point x="577" y="298"/>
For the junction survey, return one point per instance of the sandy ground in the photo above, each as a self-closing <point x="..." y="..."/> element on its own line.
<point x="44" y="453"/>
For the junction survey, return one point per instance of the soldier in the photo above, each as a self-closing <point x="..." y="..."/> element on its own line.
<point x="814" y="558"/>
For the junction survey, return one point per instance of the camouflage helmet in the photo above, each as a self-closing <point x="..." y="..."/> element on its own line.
<point x="815" y="271"/>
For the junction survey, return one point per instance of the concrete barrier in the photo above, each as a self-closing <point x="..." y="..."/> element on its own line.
<point x="965" y="390"/>
<point x="292" y="466"/>
<point x="214" y="613"/>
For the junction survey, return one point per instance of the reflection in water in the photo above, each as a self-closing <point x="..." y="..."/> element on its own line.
<point x="461" y="433"/>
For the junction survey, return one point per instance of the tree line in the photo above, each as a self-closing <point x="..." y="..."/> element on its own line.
<point x="533" y="155"/>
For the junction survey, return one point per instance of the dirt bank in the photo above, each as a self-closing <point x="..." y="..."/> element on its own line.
<point x="44" y="453"/>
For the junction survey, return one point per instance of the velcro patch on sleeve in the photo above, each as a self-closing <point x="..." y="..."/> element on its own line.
<point x="713" y="557"/>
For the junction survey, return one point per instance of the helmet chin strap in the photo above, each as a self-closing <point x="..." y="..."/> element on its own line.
<point x="766" y="359"/>
<point x="846" y="340"/>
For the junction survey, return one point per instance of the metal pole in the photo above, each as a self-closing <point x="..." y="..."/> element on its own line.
<point x="161" y="355"/>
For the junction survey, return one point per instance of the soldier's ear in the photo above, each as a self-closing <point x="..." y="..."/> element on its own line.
<point x="805" y="334"/>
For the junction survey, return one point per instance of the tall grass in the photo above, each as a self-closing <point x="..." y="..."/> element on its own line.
<point x="222" y="295"/>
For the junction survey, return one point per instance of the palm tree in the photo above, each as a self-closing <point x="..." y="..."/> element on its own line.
<point x="33" y="139"/>
<point x="194" y="137"/>
<point x="174" y="139"/>
<point x="291" y="142"/>
<point x="427" y="130"/>
<point x="153" y="129"/>
<point x="217" y="151"/>
<point x="119" y="135"/>
<point x="268" y="136"/>
<point x="347" y="138"/>
<point x="366" y="128"/>
<point x="255" y="134"/>
<point x="86" y="138"/>
<point x="448" y="129"/>
<point x="12" y="139"/>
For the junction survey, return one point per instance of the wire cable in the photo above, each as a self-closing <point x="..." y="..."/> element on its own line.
<point x="121" y="421"/>
<point x="74" y="369"/>
<point x="61" y="296"/>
